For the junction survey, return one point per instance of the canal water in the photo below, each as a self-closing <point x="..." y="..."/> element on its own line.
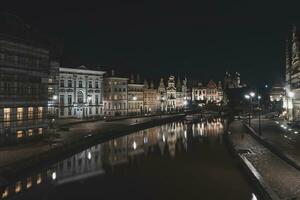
<point x="172" y="161"/>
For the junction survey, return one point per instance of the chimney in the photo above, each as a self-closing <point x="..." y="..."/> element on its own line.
<point x="138" y="78"/>
<point x="112" y="72"/>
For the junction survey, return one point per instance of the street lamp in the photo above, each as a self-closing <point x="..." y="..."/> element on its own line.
<point x="250" y="96"/>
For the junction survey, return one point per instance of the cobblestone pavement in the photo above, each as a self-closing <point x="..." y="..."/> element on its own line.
<point x="281" y="177"/>
<point x="9" y="155"/>
<point x="284" y="138"/>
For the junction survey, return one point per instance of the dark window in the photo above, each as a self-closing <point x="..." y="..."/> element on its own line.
<point x="62" y="83"/>
<point x="80" y="84"/>
<point x="90" y="84"/>
<point x="69" y="83"/>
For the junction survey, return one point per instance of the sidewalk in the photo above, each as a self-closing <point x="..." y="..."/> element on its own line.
<point x="275" y="176"/>
<point x="281" y="138"/>
<point x="78" y="134"/>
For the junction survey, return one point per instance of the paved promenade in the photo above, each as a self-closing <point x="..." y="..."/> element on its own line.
<point x="280" y="177"/>
<point x="76" y="132"/>
<point x="281" y="137"/>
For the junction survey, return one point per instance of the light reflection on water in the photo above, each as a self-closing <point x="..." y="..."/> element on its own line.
<point x="100" y="159"/>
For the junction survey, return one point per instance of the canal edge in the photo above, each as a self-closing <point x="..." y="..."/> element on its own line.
<point x="264" y="190"/>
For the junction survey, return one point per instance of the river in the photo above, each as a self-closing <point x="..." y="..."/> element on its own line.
<point x="172" y="161"/>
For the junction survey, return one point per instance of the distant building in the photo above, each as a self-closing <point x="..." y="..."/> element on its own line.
<point x="162" y="95"/>
<point x="24" y="67"/>
<point x="209" y="93"/>
<point x="115" y="95"/>
<point x="79" y="92"/>
<point x="232" y="81"/>
<point x="135" y="96"/>
<point x="151" y="98"/>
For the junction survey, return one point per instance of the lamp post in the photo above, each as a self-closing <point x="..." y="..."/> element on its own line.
<point x="250" y="96"/>
<point x="259" y="125"/>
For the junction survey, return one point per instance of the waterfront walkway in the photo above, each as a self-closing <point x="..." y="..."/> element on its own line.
<point x="72" y="133"/>
<point x="280" y="178"/>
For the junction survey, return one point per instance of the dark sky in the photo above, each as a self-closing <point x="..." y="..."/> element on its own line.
<point x="198" y="39"/>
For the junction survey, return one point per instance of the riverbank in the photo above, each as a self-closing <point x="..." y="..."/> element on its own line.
<point x="14" y="160"/>
<point x="274" y="177"/>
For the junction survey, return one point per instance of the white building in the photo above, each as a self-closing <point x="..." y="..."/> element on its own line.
<point x="209" y="93"/>
<point x="79" y="92"/>
<point x="115" y="95"/>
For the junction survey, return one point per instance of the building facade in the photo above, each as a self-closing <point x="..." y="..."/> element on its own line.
<point x="79" y="92"/>
<point x="115" y="96"/>
<point x="151" y="98"/>
<point x="211" y="93"/>
<point x="291" y="101"/>
<point x="24" y="65"/>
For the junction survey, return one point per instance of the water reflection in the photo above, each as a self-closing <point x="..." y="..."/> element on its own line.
<point x="101" y="158"/>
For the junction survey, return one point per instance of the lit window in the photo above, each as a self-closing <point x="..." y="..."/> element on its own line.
<point x="38" y="179"/>
<point x="19" y="114"/>
<point x="7" y="112"/>
<point x="30" y="132"/>
<point x="40" y="130"/>
<point x="5" y="193"/>
<point x="40" y="112"/>
<point x="18" y="186"/>
<point x="19" y="134"/>
<point x="30" y="112"/>
<point x="29" y="182"/>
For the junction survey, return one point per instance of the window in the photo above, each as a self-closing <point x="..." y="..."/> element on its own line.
<point x="69" y="83"/>
<point x="61" y="112"/>
<point x="5" y="193"/>
<point x="40" y="112"/>
<point x="30" y="112"/>
<point x="62" y="100"/>
<point x="69" y="99"/>
<point x="19" y="134"/>
<point x="19" y="115"/>
<point x="18" y="187"/>
<point x="90" y="84"/>
<point x="90" y="111"/>
<point x="96" y="99"/>
<point x="69" y="111"/>
<point x="40" y="131"/>
<point x="80" y="97"/>
<point x="38" y="179"/>
<point x="29" y="182"/>
<point x="97" y="110"/>
<point x="6" y="116"/>
<point x="80" y="84"/>
<point x="96" y="84"/>
<point x="29" y="132"/>
<point x="62" y="83"/>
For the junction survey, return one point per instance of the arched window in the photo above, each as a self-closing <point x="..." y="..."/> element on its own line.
<point x="80" y="97"/>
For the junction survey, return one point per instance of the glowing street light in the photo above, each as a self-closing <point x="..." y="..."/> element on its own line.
<point x="247" y="96"/>
<point x="252" y="94"/>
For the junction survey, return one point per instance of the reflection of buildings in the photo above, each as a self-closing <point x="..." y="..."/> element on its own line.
<point x="24" y="66"/>
<point x="79" y="92"/>
<point x="93" y="161"/>
<point x="115" y="151"/>
<point x="80" y="166"/>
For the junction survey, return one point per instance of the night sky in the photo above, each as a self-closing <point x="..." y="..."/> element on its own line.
<point x="156" y="38"/>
